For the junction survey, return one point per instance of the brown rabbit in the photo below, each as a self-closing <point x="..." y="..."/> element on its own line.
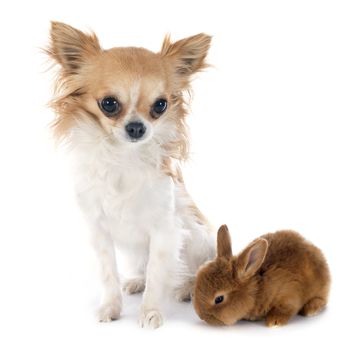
<point x="277" y="276"/>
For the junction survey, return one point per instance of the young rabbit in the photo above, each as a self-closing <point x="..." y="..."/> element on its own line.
<point x="277" y="276"/>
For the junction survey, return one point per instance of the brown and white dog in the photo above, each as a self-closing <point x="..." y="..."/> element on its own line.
<point x="122" y="112"/>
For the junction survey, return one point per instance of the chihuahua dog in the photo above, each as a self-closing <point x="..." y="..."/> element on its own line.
<point x="122" y="112"/>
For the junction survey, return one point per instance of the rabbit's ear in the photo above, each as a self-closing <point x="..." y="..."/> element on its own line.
<point x="224" y="243"/>
<point x="251" y="259"/>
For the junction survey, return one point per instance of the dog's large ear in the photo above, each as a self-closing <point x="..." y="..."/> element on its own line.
<point x="188" y="54"/>
<point x="70" y="47"/>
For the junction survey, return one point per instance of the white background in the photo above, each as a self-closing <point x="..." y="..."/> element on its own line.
<point x="270" y="134"/>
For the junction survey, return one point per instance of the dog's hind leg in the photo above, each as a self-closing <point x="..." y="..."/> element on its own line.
<point x="136" y="266"/>
<point x="183" y="292"/>
<point x="134" y="285"/>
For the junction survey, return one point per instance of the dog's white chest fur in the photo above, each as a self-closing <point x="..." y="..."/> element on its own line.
<point x="124" y="194"/>
<point x="126" y="197"/>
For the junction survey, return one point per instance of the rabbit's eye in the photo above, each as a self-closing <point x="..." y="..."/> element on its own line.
<point x="219" y="299"/>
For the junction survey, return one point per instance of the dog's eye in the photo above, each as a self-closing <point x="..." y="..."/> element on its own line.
<point x="219" y="299"/>
<point x="109" y="105"/>
<point x="159" y="107"/>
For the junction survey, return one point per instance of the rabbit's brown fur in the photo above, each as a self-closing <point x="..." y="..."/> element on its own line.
<point x="277" y="276"/>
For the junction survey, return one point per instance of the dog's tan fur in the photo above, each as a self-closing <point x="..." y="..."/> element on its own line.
<point x="88" y="73"/>
<point x="277" y="276"/>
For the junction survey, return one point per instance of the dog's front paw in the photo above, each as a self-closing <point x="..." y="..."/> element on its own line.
<point x="134" y="285"/>
<point x="150" y="319"/>
<point x="109" y="311"/>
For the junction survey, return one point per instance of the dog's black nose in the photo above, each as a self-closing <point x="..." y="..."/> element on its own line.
<point x="135" y="130"/>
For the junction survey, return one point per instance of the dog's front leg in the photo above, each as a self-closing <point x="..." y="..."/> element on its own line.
<point x="160" y="274"/>
<point x="111" y="290"/>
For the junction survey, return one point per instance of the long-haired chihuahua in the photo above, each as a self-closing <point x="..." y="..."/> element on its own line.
<point x="122" y="112"/>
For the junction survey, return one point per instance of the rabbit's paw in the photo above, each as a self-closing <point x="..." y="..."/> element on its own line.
<point x="313" y="307"/>
<point x="276" y="318"/>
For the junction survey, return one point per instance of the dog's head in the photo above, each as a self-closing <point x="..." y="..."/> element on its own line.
<point x="133" y="95"/>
